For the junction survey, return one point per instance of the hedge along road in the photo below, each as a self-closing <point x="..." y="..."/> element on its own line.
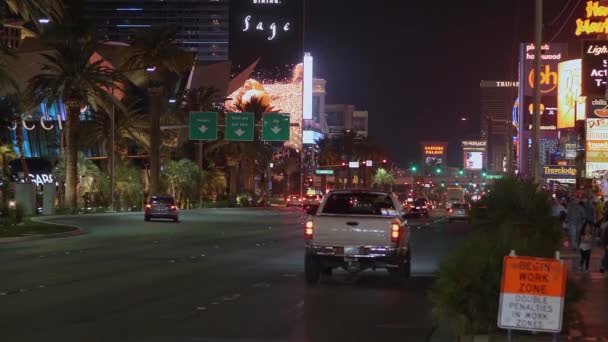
<point x="233" y="274"/>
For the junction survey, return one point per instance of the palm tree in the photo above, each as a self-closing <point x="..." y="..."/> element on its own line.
<point x="199" y="99"/>
<point x="128" y="184"/>
<point x="154" y="57"/>
<point x="181" y="177"/>
<point x="17" y="106"/>
<point x="130" y="125"/>
<point x="68" y="76"/>
<point x="32" y="10"/>
<point x="383" y="178"/>
<point x="89" y="174"/>
<point x="7" y="153"/>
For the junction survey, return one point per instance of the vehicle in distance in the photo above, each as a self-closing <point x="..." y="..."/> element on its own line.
<point x="357" y="230"/>
<point x="161" y="207"/>
<point x="293" y="200"/>
<point x="420" y="208"/>
<point x="454" y="195"/>
<point x="459" y="211"/>
<point x="312" y="200"/>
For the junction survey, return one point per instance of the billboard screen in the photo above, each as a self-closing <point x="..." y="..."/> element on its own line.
<point x="473" y="160"/>
<point x="552" y="54"/>
<point x="596" y="147"/>
<point x="268" y="30"/>
<point x="594" y="67"/>
<point x="570" y="107"/>
<point x="434" y="152"/>
<point x="597" y="108"/>
<point x="548" y="113"/>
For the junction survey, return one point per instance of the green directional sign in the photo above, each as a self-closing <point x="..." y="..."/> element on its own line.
<point x="324" y="172"/>
<point x="239" y="126"/>
<point x="203" y="126"/>
<point x="275" y="127"/>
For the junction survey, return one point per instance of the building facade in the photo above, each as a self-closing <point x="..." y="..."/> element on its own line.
<point x="339" y="117"/>
<point x="202" y="25"/>
<point x="13" y="33"/>
<point x="497" y="99"/>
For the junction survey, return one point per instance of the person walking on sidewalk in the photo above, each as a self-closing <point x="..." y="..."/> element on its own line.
<point x="576" y="219"/>
<point x="585" y="245"/>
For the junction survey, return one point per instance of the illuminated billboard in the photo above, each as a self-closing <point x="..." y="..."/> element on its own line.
<point x="594" y="67"/>
<point x="434" y="152"/>
<point x="570" y="104"/>
<point x="473" y="160"/>
<point x="548" y="113"/>
<point x="552" y="55"/>
<point x="597" y="147"/>
<point x="594" y="22"/>
<point x="269" y="31"/>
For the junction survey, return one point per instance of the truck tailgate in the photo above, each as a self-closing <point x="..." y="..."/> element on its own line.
<point x="352" y="230"/>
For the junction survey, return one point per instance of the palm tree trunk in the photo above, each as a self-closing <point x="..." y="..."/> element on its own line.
<point x="19" y="138"/>
<point x="234" y="180"/>
<point x="71" y="154"/>
<point x="155" y="105"/>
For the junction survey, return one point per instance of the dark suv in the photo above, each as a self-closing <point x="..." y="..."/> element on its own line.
<point x="161" y="207"/>
<point x="420" y="208"/>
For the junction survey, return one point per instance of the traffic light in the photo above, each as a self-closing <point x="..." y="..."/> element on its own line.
<point x="438" y="170"/>
<point x="343" y="164"/>
<point x="460" y="172"/>
<point x="484" y="173"/>
<point x="413" y="168"/>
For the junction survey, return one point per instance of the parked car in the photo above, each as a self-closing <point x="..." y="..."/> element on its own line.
<point x="356" y="230"/>
<point x="459" y="211"/>
<point x="420" y="208"/>
<point x="293" y="200"/>
<point x="161" y="207"/>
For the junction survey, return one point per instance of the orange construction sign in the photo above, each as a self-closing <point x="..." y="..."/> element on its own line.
<point x="532" y="294"/>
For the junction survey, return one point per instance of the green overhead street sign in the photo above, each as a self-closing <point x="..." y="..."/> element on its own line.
<point x="239" y="126"/>
<point x="275" y="127"/>
<point x="324" y="172"/>
<point x="203" y="126"/>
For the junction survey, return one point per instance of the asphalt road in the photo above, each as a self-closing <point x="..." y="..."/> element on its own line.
<point x="218" y="275"/>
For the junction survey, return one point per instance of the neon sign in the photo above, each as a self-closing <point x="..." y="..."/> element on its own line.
<point x="27" y="120"/>
<point x="260" y="27"/>
<point x="433" y="150"/>
<point x="588" y="26"/>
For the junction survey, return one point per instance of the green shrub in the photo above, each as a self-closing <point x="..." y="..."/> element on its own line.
<point x="514" y="216"/>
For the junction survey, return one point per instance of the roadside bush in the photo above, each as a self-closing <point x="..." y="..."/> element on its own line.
<point x="514" y="216"/>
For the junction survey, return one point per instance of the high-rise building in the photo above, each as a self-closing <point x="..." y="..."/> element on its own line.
<point x="360" y="122"/>
<point x="339" y="117"/>
<point x="202" y="26"/>
<point x="497" y="99"/>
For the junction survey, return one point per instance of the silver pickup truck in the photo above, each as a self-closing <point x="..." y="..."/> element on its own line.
<point x="357" y="230"/>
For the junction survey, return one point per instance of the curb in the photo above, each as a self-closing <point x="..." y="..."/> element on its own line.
<point x="79" y="231"/>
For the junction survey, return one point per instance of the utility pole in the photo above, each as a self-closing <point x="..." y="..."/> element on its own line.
<point x="538" y="33"/>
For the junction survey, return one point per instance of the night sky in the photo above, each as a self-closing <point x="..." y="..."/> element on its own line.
<point x="416" y="65"/>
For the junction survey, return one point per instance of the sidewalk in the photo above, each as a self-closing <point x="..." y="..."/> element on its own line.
<point x="594" y="306"/>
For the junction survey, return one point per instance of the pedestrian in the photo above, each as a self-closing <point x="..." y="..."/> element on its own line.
<point x="589" y="211"/>
<point x="586" y="244"/>
<point x="576" y="219"/>
<point x="599" y="212"/>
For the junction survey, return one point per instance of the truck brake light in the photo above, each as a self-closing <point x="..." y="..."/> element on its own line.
<point x="309" y="229"/>
<point x="395" y="232"/>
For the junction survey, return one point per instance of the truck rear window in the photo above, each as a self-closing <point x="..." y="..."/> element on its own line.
<point x="359" y="204"/>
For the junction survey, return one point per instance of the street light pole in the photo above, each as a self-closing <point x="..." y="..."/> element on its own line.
<point x="112" y="155"/>
<point x="538" y="20"/>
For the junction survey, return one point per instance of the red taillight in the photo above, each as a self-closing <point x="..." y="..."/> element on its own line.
<point x="172" y="207"/>
<point x="451" y="211"/>
<point x="395" y="232"/>
<point x="309" y="229"/>
<point x="148" y="206"/>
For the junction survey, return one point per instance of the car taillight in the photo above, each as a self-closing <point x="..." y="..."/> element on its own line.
<point x="395" y="232"/>
<point x="172" y="207"/>
<point x="309" y="229"/>
<point x="451" y="211"/>
<point x="148" y="206"/>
